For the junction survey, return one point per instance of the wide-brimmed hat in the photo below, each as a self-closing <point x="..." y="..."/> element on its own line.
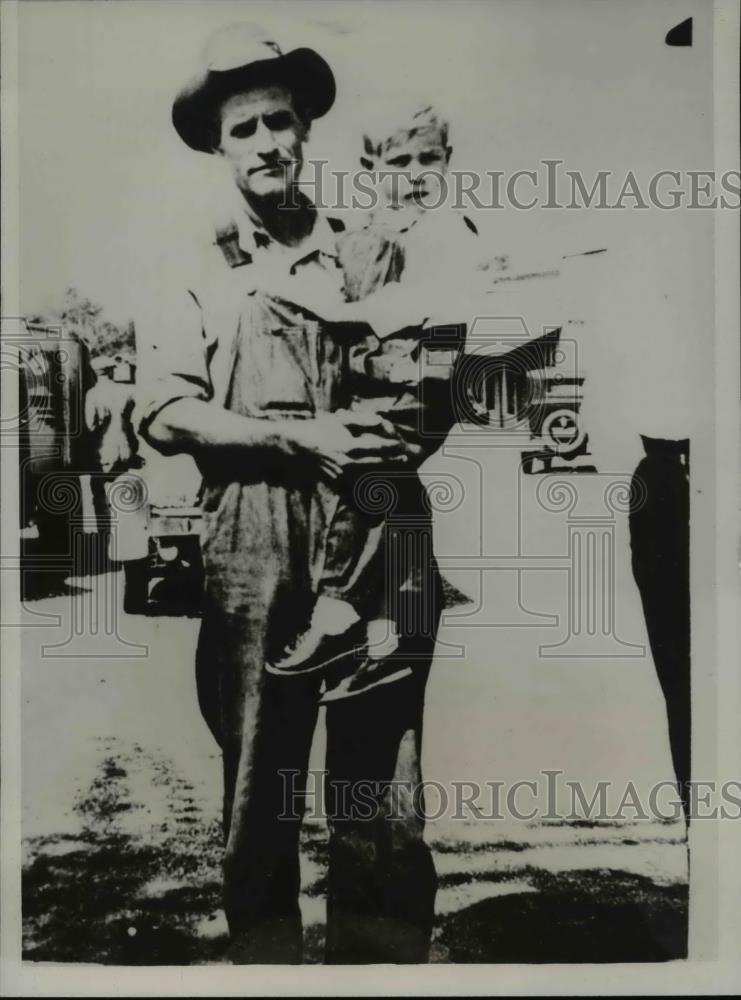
<point x="234" y="61"/>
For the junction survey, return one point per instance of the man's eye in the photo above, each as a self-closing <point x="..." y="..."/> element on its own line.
<point x="243" y="130"/>
<point x="399" y="161"/>
<point x="427" y="158"/>
<point x="279" y="121"/>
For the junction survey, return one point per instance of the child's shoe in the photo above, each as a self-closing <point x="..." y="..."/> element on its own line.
<point x="378" y="668"/>
<point x="335" y="632"/>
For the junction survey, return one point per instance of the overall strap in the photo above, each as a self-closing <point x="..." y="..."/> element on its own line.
<point x="227" y="239"/>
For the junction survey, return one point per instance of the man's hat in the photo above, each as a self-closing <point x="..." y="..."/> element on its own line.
<point x="237" y="59"/>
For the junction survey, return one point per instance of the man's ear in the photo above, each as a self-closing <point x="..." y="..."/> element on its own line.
<point x="448" y="151"/>
<point x="215" y="138"/>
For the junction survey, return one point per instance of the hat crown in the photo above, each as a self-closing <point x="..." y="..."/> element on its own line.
<point x="237" y="45"/>
<point x="243" y="57"/>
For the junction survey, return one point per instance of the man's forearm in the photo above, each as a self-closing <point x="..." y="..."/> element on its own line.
<point x="194" y="426"/>
<point x="320" y="446"/>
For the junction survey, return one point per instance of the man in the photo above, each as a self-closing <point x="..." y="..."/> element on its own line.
<point x="243" y="377"/>
<point x="119" y="496"/>
<point x="660" y="554"/>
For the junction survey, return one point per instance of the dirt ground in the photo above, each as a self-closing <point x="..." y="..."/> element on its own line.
<point x="122" y="837"/>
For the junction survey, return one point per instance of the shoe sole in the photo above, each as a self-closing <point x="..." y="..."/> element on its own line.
<point x="398" y="675"/>
<point x="299" y="672"/>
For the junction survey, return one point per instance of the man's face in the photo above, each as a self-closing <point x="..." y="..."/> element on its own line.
<point x="262" y="139"/>
<point x="414" y="170"/>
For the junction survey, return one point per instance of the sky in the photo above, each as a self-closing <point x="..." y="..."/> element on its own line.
<point x="107" y="187"/>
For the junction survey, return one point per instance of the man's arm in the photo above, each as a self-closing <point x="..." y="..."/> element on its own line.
<point x="329" y="442"/>
<point x="177" y="410"/>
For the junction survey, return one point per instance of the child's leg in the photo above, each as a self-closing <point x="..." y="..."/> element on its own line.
<point x="408" y="378"/>
<point x="357" y="573"/>
<point x="353" y="566"/>
<point x="357" y="567"/>
<point x="349" y="574"/>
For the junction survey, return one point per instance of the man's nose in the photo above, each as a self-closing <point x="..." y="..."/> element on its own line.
<point x="265" y="143"/>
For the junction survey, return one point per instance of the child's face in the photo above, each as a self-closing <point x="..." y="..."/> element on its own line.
<point x="412" y="173"/>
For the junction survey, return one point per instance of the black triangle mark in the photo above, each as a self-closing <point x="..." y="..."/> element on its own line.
<point x="680" y="34"/>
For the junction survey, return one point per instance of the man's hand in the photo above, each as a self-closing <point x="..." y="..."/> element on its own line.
<point x="97" y="408"/>
<point x="344" y="440"/>
<point x="115" y="449"/>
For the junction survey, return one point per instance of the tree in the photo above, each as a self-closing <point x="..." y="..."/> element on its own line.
<point x="77" y="314"/>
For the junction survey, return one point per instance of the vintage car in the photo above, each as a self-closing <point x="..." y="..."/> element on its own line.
<point x="168" y="579"/>
<point x="156" y="534"/>
<point x="521" y="373"/>
<point x="56" y="451"/>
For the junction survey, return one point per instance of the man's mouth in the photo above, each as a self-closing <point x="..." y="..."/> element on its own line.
<point x="272" y="169"/>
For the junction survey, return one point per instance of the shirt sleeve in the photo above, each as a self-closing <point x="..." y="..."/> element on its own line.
<point x="172" y="355"/>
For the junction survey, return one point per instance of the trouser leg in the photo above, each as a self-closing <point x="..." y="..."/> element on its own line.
<point x="264" y="726"/>
<point x="659" y="531"/>
<point x="382" y="883"/>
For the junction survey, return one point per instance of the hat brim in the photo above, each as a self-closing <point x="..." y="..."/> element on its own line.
<point x="302" y="71"/>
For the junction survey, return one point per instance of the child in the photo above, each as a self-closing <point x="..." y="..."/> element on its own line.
<point x="394" y="269"/>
